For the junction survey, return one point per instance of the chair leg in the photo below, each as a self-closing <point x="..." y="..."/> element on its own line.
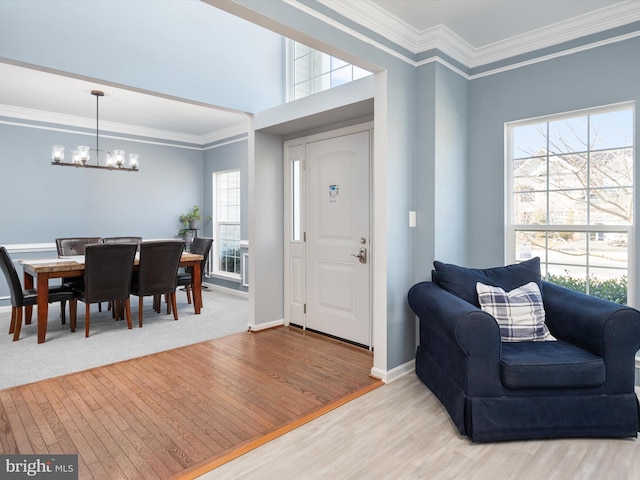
<point x="188" y="290"/>
<point x="87" y="319"/>
<point x="73" y="314"/>
<point x="63" y="307"/>
<point x="140" y="305"/>
<point x="17" y="324"/>
<point x="127" y="313"/>
<point x="28" y="312"/>
<point x="12" y="326"/>
<point x="167" y="298"/>
<point x="174" y="307"/>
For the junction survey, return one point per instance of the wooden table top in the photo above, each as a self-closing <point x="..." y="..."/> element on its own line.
<point x="48" y="265"/>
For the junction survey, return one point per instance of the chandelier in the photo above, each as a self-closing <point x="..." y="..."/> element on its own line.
<point x="81" y="155"/>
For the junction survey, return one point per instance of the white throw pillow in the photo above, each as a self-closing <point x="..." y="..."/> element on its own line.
<point x="519" y="313"/>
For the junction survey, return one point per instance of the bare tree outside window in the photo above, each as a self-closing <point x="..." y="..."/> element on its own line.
<point x="572" y="198"/>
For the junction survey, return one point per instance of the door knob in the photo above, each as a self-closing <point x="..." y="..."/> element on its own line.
<point x="362" y="255"/>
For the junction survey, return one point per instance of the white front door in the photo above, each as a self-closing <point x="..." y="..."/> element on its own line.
<point x="337" y="217"/>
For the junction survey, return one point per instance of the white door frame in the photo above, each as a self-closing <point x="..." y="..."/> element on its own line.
<point x="293" y="293"/>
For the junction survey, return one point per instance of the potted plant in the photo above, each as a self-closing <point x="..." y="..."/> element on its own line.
<point x="191" y="218"/>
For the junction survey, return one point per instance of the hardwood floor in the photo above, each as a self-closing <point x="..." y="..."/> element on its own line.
<point x="177" y="414"/>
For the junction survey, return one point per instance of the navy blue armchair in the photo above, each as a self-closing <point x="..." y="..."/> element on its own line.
<point x="581" y="385"/>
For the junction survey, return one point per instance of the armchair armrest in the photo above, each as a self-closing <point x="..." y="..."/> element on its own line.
<point x="607" y="329"/>
<point x="471" y="335"/>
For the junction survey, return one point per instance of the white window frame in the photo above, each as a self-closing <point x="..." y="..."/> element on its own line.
<point x="511" y="229"/>
<point x="290" y="76"/>
<point x="217" y="222"/>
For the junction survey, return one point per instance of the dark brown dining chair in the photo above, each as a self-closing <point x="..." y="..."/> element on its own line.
<point x="200" y="246"/>
<point x="107" y="278"/>
<point x="121" y="240"/>
<point x="21" y="298"/>
<point x="71" y="247"/>
<point x="137" y="240"/>
<point x="156" y="276"/>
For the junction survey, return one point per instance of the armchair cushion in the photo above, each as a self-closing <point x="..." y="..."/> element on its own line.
<point x="529" y="365"/>
<point x="462" y="281"/>
<point x="519" y="312"/>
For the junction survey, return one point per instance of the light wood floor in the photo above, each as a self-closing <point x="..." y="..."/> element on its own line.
<point x="401" y="432"/>
<point x="169" y="414"/>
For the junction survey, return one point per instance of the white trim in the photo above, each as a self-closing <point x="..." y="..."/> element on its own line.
<point x="30" y="247"/>
<point x="395" y="373"/>
<point x="226" y="290"/>
<point x="264" y="326"/>
<point x="245" y="267"/>
<point x="113" y="137"/>
<point x="574" y="28"/>
<point x="551" y="56"/>
<point x="441" y="61"/>
<point x="377" y="19"/>
<point x="371" y="16"/>
<point x="349" y="31"/>
<point x="227" y="132"/>
<point x="228" y="142"/>
<point x="302" y="141"/>
<point x="364" y="13"/>
<point x="511" y="229"/>
<point x="32" y="115"/>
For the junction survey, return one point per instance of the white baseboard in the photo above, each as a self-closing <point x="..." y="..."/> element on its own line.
<point x="227" y="290"/>
<point x="388" y="376"/>
<point x="263" y="326"/>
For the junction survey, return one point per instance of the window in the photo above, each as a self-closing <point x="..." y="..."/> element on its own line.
<point x="312" y="71"/>
<point x="227" y="223"/>
<point x="571" y="198"/>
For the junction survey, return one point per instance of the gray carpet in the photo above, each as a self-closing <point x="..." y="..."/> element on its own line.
<point x="26" y="361"/>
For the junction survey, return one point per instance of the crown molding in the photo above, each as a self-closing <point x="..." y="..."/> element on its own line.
<point x="581" y="26"/>
<point x="378" y="20"/>
<point x="241" y="128"/>
<point x="32" y="115"/>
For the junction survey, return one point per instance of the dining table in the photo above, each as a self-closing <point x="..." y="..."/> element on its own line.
<point x="38" y="272"/>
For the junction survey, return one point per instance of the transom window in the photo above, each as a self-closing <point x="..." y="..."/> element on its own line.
<point x="571" y="198"/>
<point x="311" y="71"/>
<point x="227" y="223"/>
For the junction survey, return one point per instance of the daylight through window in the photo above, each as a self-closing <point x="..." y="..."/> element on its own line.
<point x="571" y="198"/>
<point x="227" y="244"/>
<point x="312" y="71"/>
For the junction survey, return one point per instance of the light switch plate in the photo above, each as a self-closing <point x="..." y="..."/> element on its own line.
<point x="412" y="218"/>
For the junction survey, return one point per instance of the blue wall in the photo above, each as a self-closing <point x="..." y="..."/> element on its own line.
<point x="443" y="135"/>
<point x="600" y="76"/>
<point x="43" y="201"/>
<point x="179" y="48"/>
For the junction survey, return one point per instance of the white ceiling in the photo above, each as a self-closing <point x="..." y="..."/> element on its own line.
<point x="45" y="96"/>
<point x="477" y="24"/>
<point x="483" y="22"/>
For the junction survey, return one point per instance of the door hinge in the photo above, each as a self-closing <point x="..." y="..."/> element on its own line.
<point x="304" y="236"/>
<point x="304" y="310"/>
